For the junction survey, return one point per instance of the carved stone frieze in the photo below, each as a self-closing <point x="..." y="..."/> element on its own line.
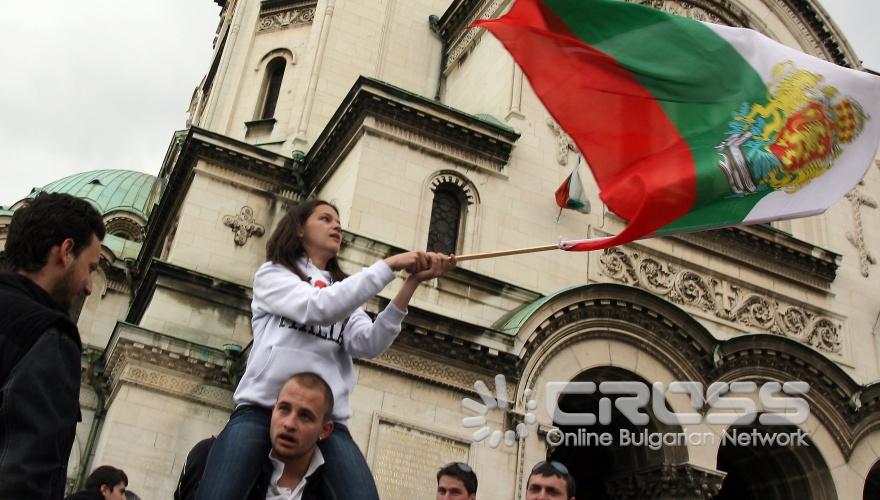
<point x="858" y="199"/>
<point x="681" y="481"/>
<point x="243" y="225"/>
<point x="467" y="42"/>
<point x="464" y="156"/>
<point x="811" y="30"/>
<point x="804" y="22"/>
<point x="376" y="108"/>
<point x="183" y="370"/>
<point x="297" y="15"/>
<point x="564" y="144"/>
<point x="176" y="385"/>
<point x="124" y="350"/>
<point x="439" y="372"/>
<point x="685" y="9"/>
<point x="726" y="300"/>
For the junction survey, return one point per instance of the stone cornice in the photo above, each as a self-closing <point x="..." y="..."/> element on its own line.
<point x="459" y="41"/>
<point x="818" y="23"/>
<point x="193" y="144"/>
<point x="376" y="249"/>
<point x="281" y="14"/>
<point x="455" y="343"/>
<point x="375" y="107"/>
<point x="770" y="250"/>
<point x="276" y="5"/>
<point x="167" y="364"/>
<point x="459" y="14"/>
<point x="811" y="18"/>
<point x="416" y="365"/>
<point x="229" y="294"/>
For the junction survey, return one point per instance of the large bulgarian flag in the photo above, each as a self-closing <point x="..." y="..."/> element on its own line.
<point x="688" y="125"/>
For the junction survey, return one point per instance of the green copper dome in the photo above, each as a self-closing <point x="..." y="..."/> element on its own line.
<point x="109" y="190"/>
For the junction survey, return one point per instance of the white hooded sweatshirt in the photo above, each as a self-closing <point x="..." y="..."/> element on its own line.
<point x="300" y="326"/>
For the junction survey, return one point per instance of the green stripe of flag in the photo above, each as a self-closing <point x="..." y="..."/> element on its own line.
<point x="673" y="57"/>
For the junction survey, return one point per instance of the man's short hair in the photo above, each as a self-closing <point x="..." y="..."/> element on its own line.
<point x="461" y="471"/>
<point x="314" y="381"/>
<point x="45" y="222"/>
<point x="105" y="474"/>
<point x="552" y="468"/>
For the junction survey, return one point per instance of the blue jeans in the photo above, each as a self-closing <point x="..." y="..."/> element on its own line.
<point x="237" y="456"/>
<point x="345" y="468"/>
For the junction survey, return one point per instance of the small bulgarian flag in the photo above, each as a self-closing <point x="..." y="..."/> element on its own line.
<point x="688" y="125"/>
<point x="571" y="193"/>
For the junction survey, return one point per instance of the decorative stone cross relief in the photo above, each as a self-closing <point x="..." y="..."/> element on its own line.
<point x="564" y="144"/>
<point x="243" y="225"/>
<point x="857" y="198"/>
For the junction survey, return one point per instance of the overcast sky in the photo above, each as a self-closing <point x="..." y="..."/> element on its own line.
<point x="103" y="84"/>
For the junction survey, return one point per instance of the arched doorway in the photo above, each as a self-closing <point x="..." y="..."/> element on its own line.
<point x="614" y="460"/>
<point x="775" y="468"/>
<point x="872" y="483"/>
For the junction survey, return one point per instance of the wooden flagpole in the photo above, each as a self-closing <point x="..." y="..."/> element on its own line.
<point x="501" y="253"/>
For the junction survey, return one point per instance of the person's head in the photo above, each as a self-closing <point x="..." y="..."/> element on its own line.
<point x="130" y="495"/>
<point x="310" y="229"/>
<point x="110" y="481"/>
<point x="301" y="416"/>
<point x="56" y="239"/>
<point x="456" y="481"/>
<point x="550" y="480"/>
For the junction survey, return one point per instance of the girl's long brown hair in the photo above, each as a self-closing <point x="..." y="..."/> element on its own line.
<point x="285" y="245"/>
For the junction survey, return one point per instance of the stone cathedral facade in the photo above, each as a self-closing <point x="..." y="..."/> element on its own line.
<point x="426" y="134"/>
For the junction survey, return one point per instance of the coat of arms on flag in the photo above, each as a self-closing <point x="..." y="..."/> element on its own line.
<point x="793" y="137"/>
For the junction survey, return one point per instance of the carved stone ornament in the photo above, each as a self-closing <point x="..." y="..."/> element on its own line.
<point x="125" y="227"/>
<point x="683" y="9"/>
<point x="297" y="16"/>
<point x="725" y="300"/>
<point x="468" y="41"/>
<point x="243" y="225"/>
<point x="439" y="372"/>
<point x="178" y="386"/>
<point x="456" y="180"/>
<point x="682" y="481"/>
<point x="564" y="144"/>
<point x="858" y="199"/>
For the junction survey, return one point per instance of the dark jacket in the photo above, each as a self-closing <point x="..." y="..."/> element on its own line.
<point x="39" y="391"/>
<point x="92" y="494"/>
<point x="317" y="488"/>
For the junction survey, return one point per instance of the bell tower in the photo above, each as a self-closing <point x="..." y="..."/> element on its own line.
<point x="260" y="85"/>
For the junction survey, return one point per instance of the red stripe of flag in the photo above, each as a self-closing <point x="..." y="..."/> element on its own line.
<point x="643" y="167"/>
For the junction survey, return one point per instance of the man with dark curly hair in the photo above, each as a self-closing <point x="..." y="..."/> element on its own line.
<point x="52" y="248"/>
<point x="104" y="483"/>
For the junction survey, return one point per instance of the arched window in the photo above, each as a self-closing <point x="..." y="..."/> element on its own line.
<point x="272" y="87"/>
<point x="446" y="213"/>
